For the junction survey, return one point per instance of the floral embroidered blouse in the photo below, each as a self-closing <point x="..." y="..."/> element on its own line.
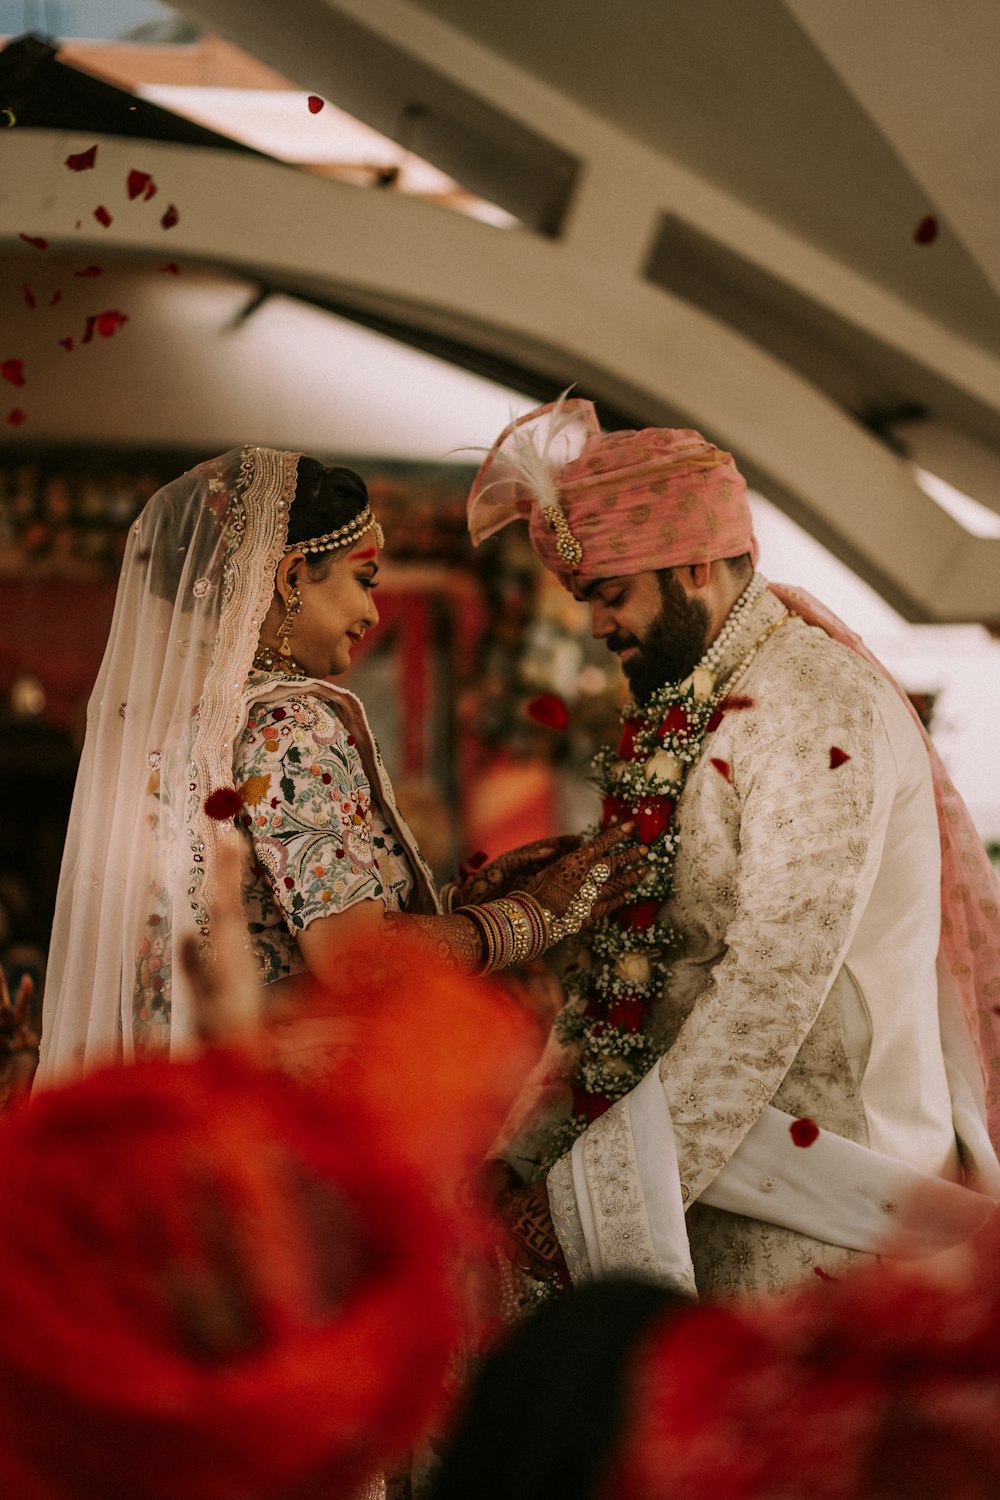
<point x="320" y="839"/>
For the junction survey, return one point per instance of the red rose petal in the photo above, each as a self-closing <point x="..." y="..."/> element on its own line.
<point x="803" y="1132"/>
<point x="824" y="1275"/>
<point x="170" y="217"/>
<point x="315" y="104"/>
<point x="735" y="702"/>
<point x="723" y="767"/>
<point x="549" y="710"/>
<point x="627" y="1013"/>
<point x="837" y="757"/>
<point x="89" y="272"/>
<point x="223" y="804"/>
<point x="626" y="745"/>
<point x="89" y="330"/>
<point x="715" y="718"/>
<point x="109" y="322"/>
<point x="29" y="295"/>
<point x="137" y="182"/>
<point x="102" y="216"/>
<point x="13" y="370"/>
<point x="639" y="915"/>
<point x="653" y="818"/>
<point x="926" y="231"/>
<point x="56" y="297"/>
<point x="83" y="160"/>
<point x="16" y="417"/>
<point x="151" y="191"/>
<point x="67" y="343"/>
<point x="591" y="1106"/>
<point x="35" y="241"/>
<point x="172" y="268"/>
<point x="612" y="811"/>
<point x="676" y="722"/>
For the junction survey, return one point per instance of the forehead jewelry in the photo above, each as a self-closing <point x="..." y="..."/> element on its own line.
<point x="344" y="536"/>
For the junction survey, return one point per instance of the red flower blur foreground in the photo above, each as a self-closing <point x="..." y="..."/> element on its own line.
<point x="549" y="710"/>
<point x="315" y="104"/>
<point x="102" y="216"/>
<point x="223" y="804"/>
<point x="170" y="217"/>
<point x="13" y="370"/>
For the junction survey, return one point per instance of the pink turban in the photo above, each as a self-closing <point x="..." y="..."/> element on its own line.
<point x="602" y="504"/>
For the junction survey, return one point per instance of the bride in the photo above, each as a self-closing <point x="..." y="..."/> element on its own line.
<point x="245" y="585"/>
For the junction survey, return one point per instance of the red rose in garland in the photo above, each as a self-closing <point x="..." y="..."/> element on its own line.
<point x="626" y="746"/>
<point x="653" y="818"/>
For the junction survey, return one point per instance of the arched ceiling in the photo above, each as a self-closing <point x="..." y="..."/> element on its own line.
<point x="720" y="205"/>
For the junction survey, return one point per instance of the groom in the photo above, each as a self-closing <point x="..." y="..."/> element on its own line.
<point x="773" y="1052"/>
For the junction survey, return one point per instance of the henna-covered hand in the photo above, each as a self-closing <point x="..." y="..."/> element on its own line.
<point x="18" y="1041"/>
<point x="509" y="871"/>
<point x="532" y="1243"/>
<point x="556" y="887"/>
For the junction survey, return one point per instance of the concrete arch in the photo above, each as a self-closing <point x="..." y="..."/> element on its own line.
<point x="548" y="306"/>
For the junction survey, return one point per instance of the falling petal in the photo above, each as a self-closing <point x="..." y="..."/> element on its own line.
<point x="315" y="104"/>
<point x="837" y="757"/>
<point x="89" y="271"/>
<point x="824" y="1275"/>
<point x="67" y="343"/>
<point x="89" y="331"/>
<point x="102" y="216"/>
<point x="35" y="241"/>
<point x="723" y="767"/>
<point x="170" y="217"/>
<point x="137" y="182"/>
<point x="56" y="297"/>
<point x="803" y="1132"/>
<point x="29" y="295"/>
<point x="13" y="370"/>
<point x="926" y="231"/>
<point x="549" y="710"/>
<point x="83" y="160"/>
<point x="223" y="804"/>
<point x="16" y="417"/>
<point x="109" y="322"/>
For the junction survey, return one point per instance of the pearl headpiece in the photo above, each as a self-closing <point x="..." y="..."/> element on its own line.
<point x="344" y="536"/>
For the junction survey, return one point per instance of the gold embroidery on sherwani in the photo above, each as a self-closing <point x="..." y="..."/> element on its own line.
<point x="768" y="889"/>
<point x="619" y="1207"/>
<point x="567" y="1222"/>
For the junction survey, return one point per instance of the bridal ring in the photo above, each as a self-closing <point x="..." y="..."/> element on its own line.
<point x="581" y="906"/>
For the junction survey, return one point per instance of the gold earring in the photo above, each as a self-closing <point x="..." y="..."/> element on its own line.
<point x="292" y="606"/>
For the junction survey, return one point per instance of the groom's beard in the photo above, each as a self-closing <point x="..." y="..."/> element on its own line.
<point x="672" y="645"/>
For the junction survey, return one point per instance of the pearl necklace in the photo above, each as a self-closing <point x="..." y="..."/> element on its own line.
<point x="734" y="620"/>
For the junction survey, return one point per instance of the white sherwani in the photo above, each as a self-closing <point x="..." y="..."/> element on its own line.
<point x="806" y="896"/>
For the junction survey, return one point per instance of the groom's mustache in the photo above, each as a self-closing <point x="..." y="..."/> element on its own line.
<point x="619" y="643"/>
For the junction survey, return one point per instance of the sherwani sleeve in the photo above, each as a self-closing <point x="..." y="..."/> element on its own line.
<point x="812" y="777"/>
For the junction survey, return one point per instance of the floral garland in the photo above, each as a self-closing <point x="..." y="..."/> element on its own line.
<point x="620" y="966"/>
